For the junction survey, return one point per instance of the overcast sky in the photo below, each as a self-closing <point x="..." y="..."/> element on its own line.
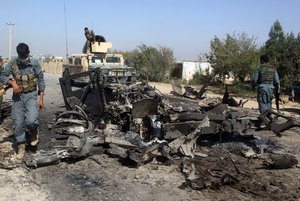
<point x="186" y="27"/>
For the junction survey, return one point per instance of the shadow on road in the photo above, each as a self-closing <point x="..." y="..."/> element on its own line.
<point x="293" y="110"/>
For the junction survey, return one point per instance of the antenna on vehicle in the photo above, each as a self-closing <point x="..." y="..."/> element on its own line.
<point x="67" y="54"/>
<point x="93" y="23"/>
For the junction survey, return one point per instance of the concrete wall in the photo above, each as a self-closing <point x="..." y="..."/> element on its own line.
<point x="205" y="67"/>
<point x="52" y="67"/>
<point x="189" y="68"/>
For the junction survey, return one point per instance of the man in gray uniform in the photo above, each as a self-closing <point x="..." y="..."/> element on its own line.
<point x="24" y="75"/>
<point x="266" y="81"/>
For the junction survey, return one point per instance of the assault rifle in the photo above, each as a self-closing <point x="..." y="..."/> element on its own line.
<point x="277" y="99"/>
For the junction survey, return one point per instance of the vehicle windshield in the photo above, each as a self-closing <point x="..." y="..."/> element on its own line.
<point x="113" y="59"/>
<point x="97" y="59"/>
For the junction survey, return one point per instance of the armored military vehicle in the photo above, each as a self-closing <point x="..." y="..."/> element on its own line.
<point x="98" y="57"/>
<point x="93" y="80"/>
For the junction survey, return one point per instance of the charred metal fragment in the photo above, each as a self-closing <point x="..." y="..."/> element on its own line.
<point x="186" y="145"/>
<point x="153" y="127"/>
<point x="41" y="158"/>
<point x="218" y="109"/>
<point x="72" y="116"/>
<point x="176" y="86"/>
<point x="202" y="91"/>
<point x="280" y="161"/>
<point x="116" y="150"/>
<point x="89" y="143"/>
<point x="135" y="138"/>
<point x="178" y="104"/>
<point x="189" y="92"/>
<point x="277" y="122"/>
<point x="87" y="92"/>
<point x="174" y="130"/>
<point x="196" y="116"/>
<point x="229" y="100"/>
<point x="119" y="142"/>
<point x="144" y="107"/>
<point x="142" y="156"/>
<point x="209" y="103"/>
<point x="73" y="123"/>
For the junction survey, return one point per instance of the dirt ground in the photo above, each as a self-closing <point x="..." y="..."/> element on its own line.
<point x="102" y="177"/>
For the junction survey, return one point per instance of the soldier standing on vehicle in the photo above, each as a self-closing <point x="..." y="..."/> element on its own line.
<point x="90" y="37"/>
<point x="24" y="75"/>
<point x="266" y="81"/>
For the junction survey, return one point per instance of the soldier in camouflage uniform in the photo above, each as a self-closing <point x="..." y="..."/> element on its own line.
<point x="90" y="37"/>
<point x="26" y="78"/>
<point x="265" y="80"/>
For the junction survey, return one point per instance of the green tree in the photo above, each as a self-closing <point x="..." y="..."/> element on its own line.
<point x="153" y="63"/>
<point x="274" y="46"/>
<point x="168" y="60"/>
<point x="287" y="63"/>
<point x="284" y="52"/>
<point x="236" y="55"/>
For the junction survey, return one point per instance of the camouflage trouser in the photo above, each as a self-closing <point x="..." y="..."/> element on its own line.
<point x="87" y="47"/>
<point x="264" y="97"/>
<point x="24" y="115"/>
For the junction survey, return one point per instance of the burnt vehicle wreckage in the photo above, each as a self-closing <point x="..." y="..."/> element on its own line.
<point x="109" y="110"/>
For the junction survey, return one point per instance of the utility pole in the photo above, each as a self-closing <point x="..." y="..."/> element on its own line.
<point x="67" y="51"/>
<point x="9" y="42"/>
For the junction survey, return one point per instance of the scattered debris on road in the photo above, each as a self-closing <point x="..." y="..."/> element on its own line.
<point x="211" y="139"/>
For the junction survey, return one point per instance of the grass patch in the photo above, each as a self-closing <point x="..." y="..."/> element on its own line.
<point x="242" y="90"/>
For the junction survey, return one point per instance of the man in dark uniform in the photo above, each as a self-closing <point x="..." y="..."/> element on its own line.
<point x="266" y="81"/>
<point x="26" y="78"/>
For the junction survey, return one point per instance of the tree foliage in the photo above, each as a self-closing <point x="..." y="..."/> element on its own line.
<point x="236" y="55"/>
<point x="284" y="52"/>
<point x="152" y="63"/>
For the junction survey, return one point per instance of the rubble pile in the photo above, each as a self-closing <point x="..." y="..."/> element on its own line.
<point x="6" y="140"/>
<point x="211" y="139"/>
<point x="212" y="142"/>
<point x="142" y="124"/>
<point x="220" y="168"/>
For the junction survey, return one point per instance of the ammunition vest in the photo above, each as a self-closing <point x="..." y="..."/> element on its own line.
<point x="267" y="73"/>
<point x="27" y="83"/>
